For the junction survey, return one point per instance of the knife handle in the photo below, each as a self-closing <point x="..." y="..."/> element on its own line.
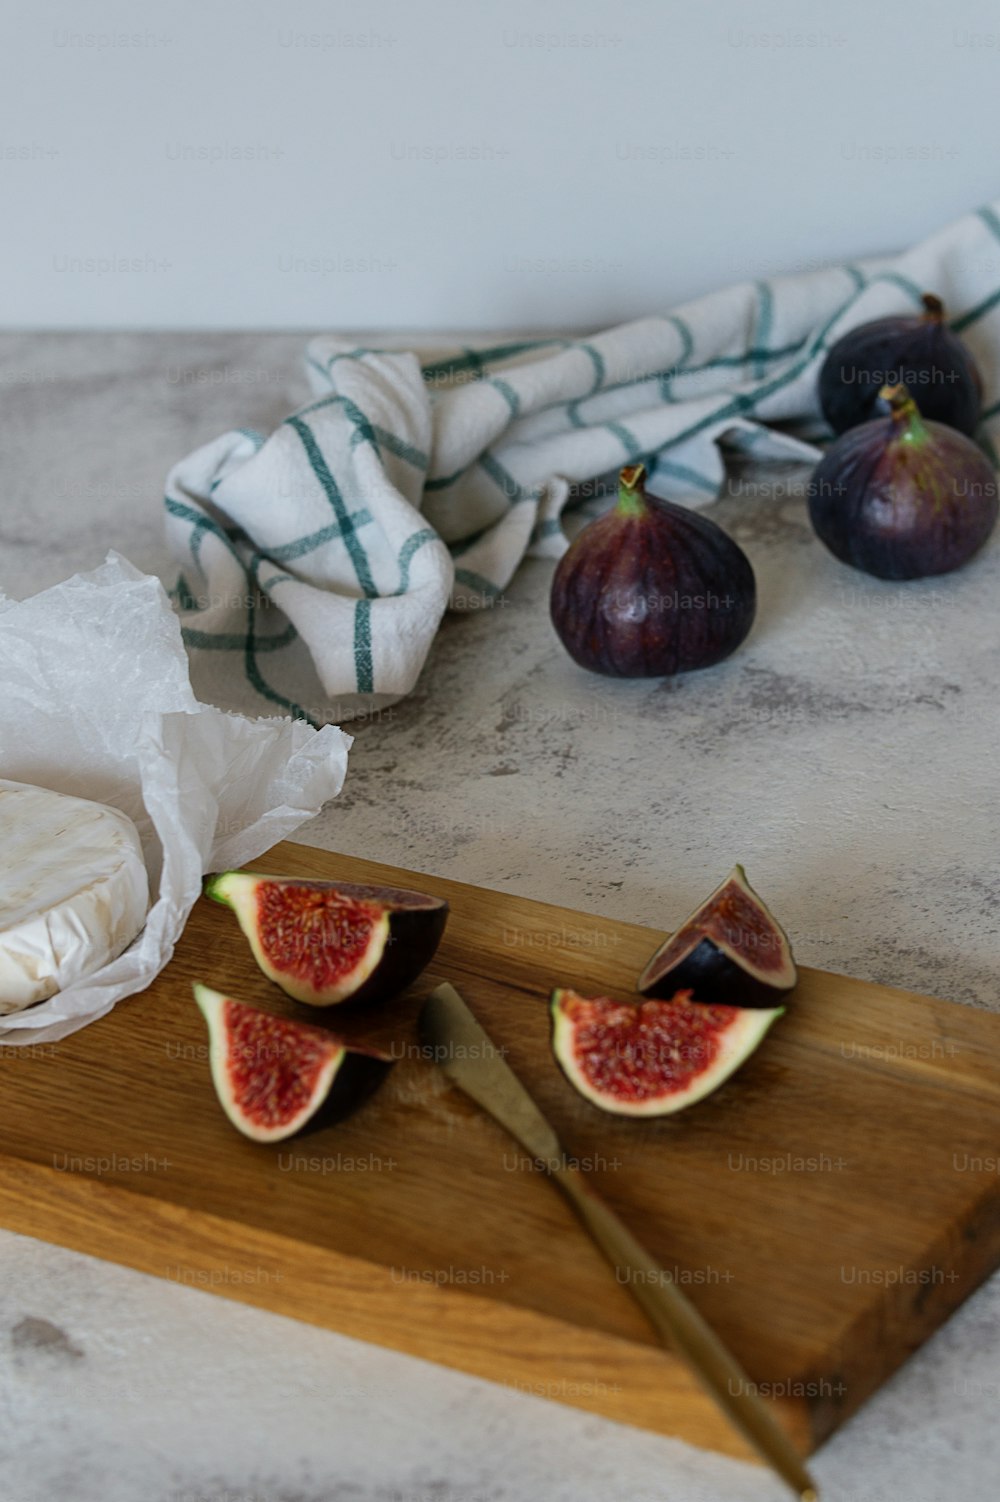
<point x="679" y="1324"/>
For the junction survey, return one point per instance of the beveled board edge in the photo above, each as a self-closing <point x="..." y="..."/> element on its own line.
<point x="642" y="1386"/>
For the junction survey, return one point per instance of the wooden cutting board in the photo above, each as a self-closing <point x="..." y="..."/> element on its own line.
<point x="826" y="1209"/>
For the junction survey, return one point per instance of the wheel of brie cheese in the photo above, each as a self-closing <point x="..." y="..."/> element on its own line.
<point x="73" y="891"/>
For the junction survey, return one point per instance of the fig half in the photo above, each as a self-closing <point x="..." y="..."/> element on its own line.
<point x="654" y="1058"/>
<point x="274" y="1076"/>
<point x="732" y="951"/>
<point x="325" y="942"/>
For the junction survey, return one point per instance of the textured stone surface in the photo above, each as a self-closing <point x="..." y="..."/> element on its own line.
<point x="845" y="755"/>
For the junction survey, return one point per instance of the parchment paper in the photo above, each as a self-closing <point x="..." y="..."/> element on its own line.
<point x="95" y="700"/>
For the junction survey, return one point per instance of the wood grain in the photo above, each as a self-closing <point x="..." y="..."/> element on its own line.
<point x="826" y="1209"/>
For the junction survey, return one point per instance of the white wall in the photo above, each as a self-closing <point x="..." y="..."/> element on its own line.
<point x="577" y="162"/>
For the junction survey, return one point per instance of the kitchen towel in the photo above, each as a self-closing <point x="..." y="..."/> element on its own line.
<point x="316" y="562"/>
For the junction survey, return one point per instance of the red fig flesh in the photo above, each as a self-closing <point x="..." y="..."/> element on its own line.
<point x="325" y="942"/>
<point x="731" y="951"/>
<point x="274" y="1076"/>
<point x="654" y="1058"/>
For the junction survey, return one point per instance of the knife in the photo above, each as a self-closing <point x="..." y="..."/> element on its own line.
<point x="468" y="1057"/>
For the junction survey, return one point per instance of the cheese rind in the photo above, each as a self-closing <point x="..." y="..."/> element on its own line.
<point x="73" y="891"/>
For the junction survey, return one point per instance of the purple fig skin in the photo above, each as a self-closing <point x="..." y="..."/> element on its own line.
<point x="914" y="350"/>
<point x="651" y="589"/>
<point x="901" y="498"/>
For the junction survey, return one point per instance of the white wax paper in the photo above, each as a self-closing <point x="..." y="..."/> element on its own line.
<point x="95" y="701"/>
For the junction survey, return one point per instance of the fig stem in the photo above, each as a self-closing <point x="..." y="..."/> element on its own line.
<point x="905" y="413"/>
<point x="933" y="307"/>
<point x="631" y="497"/>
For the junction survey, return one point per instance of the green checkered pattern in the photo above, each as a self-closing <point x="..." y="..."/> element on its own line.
<point x="315" y="564"/>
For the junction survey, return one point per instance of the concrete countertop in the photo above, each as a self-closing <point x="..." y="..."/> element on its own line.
<point x="846" y="755"/>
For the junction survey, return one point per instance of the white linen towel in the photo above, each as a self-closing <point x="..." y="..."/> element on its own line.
<point x="316" y="563"/>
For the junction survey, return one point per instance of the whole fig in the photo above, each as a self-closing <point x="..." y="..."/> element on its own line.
<point x="902" y="498"/>
<point x="915" y="350"/>
<point x="651" y="589"/>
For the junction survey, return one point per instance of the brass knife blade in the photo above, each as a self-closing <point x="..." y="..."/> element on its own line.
<point x="467" y="1055"/>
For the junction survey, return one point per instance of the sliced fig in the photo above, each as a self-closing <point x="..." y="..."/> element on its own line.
<point x="274" y="1076"/>
<point x="651" y="1058"/>
<point x="732" y="951"/>
<point x="324" y="942"/>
